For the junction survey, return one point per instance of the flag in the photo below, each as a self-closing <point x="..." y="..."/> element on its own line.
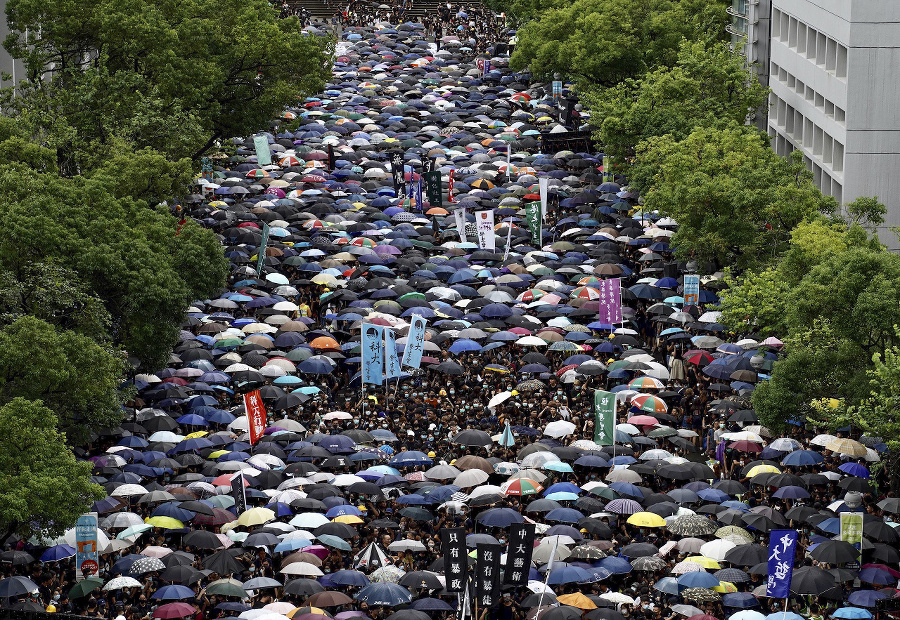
<point x="518" y="555"/>
<point x="456" y="560"/>
<point x="507" y="439"/>
<point x="484" y="223"/>
<point x="460" y="216"/>
<point x="604" y="417"/>
<point x="782" y="547"/>
<point x="331" y="158"/>
<point x="433" y="191"/>
<point x="261" y="253"/>
<point x="691" y="290"/>
<point x="256" y="414"/>
<point x="415" y="341"/>
<point x="610" y="301"/>
<point x="487" y="580"/>
<point x="238" y="493"/>
<point x="86" y="552"/>
<point x="263" y="154"/>
<point x="397" y="174"/>
<point x="509" y="170"/>
<point x="552" y="556"/>
<point x="450" y="189"/>
<point x="544" y="187"/>
<point x="372" y="354"/>
<point x="852" y="531"/>
<point x="533" y="218"/>
<point x="391" y="363"/>
<point x="419" y="204"/>
<point x="509" y="229"/>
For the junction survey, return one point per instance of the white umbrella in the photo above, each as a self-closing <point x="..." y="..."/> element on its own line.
<point x="470" y="478"/>
<point x="618" y="598"/>
<point x="498" y="399"/>
<point x="623" y="475"/>
<point x="559" y="428"/>
<point x="407" y="545"/>
<point x="304" y="569"/>
<point x="537" y="459"/>
<point x="309" y="520"/>
<point x="118" y="583"/>
<point x="129" y="490"/>
<point x="716" y="549"/>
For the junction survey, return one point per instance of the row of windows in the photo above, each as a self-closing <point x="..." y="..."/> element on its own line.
<point x="809" y="42"/>
<point x="805" y="132"/>
<point x="821" y="178"/>
<point x="807" y="92"/>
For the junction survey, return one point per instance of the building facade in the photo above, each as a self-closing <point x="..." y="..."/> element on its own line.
<point x="836" y="96"/>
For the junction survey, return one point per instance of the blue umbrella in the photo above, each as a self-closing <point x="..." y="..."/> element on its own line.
<point x="173" y="593"/>
<point x="855" y="469"/>
<point x="384" y="594"/>
<point x="568" y="574"/>
<point x="852" y="613"/>
<point x="57" y="552"/>
<point x="430" y="604"/>
<point x="349" y="578"/>
<point x="343" y="509"/>
<point x="411" y="457"/>
<point x="866" y="598"/>
<point x="802" y="458"/>
<point x="565" y="515"/>
<point x="739" y="600"/>
<point x="697" y="579"/>
<point x="668" y="585"/>
<point x="615" y="565"/>
<point x="500" y="517"/>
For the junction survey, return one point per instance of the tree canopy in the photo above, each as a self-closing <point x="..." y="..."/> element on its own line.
<point x="43" y="488"/>
<point x="170" y="76"/>
<point x="709" y="86"/>
<point x="606" y="41"/>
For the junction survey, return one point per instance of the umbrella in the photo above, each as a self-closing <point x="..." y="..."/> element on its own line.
<point x="384" y="594"/>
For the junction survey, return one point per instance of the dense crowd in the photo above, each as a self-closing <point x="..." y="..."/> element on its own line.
<point x="495" y="428"/>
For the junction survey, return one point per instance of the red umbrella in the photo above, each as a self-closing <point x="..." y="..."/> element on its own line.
<point x="702" y="617"/>
<point x="174" y="610"/>
<point x="698" y="357"/>
<point x="745" y="446"/>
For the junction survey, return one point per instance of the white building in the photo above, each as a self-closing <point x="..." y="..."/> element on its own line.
<point x="834" y="71"/>
<point x="749" y="29"/>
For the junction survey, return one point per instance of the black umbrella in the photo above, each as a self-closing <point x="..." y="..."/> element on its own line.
<point x="835" y="552"/>
<point x="811" y="580"/>
<point x="223" y="562"/>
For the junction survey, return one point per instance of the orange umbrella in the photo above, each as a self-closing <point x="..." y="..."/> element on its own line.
<point x="325" y="342"/>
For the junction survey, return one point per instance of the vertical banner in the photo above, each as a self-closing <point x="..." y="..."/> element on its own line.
<point x="397" y="174"/>
<point x="420" y="205"/>
<point x="691" y="290"/>
<point x="460" y="216"/>
<point x="533" y="217"/>
<point x="486" y="68"/>
<point x="415" y="341"/>
<point x="544" y="187"/>
<point x="518" y="556"/>
<point x="509" y="168"/>
<point x="238" y="492"/>
<point x="487" y="580"/>
<point x="456" y="561"/>
<point x="610" y="301"/>
<point x="372" y="355"/>
<point x="433" y="188"/>
<point x="782" y="546"/>
<point x="86" y="551"/>
<point x="557" y="89"/>
<point x="484" y="225"/>
<point x="604" y="417"/>
<point x="509" y="230"/>
<point x="450" y="189"/>
<point x="852" y="532"/>
<point x="263" y="154"/>
<point x="261" y="253"/>
<point x="391" y="363"/>
<point x="331" y="159"/>
<point x="256" y="414"/>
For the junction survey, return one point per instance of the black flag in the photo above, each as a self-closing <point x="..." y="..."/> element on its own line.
<point x="487" y="580"/>
<point x="518" y="557"/>
<point x="456" y="562"/>
<point x="237" y="491"/>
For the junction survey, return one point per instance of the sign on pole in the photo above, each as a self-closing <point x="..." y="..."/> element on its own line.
<point x="782" y="546"/>
<point x="456" y="560"/>
<point x="604" y="417"/>
<point x="610" y="301"/>
<point x="372" y="354"/>
<point x="86" y="551"/>
<point x="852" y="532"/>
<point x="691" y="290"/>
<point x="263" y="154"/>
<point x="484" y="226"/>
<point x="256" y="414"/>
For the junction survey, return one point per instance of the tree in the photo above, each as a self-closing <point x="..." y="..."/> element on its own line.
<point x="128" y="255"/>
<point x="603" y="42"/>
<point x="172" y="77"/>
<point x="71" y="374"/>
<point x="735" y="200"/>
<point x="709" y="86"/>
<point x="43" y="489"/>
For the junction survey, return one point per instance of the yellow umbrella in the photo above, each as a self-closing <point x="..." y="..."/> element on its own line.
<point x="197" y="434"/>
<point x="217" y="454"/>
<point x="348" y="519"/>
<point x="646" y="519"/>
<point x="255" y="516"/>
<point x="578" y="600"/>
<point x="704" y="562"/>
<point x="166" y="523"/>
<point x="300" y="611"/>
<point x="725" y="587"/>
<point x="762" y="469"/>
<point x="846" y="446"/>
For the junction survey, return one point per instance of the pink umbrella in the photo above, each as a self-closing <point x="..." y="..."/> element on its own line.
<point x="317" y="550"/>
<point x="174" y="610"/>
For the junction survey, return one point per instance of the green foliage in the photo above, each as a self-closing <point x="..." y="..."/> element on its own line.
<point x="709" y="86"/>
<point x="43" y="489"/>
<point x="606" y="41"/>
<point x="735" y="200"/>
<point x="144" y="175"/>
<point x="71" y="374"/>
<point x="169" y="76"/>
<point x="755" y="302"/>
<point x="125" y="253"/>
<point x="866" y="211"/>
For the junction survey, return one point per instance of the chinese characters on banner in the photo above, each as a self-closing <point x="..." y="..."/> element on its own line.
<point x="691" y="290"/>
<point x="261" y="253"/>
<point x="391" y="363"/>
<point x="450" y="189"/>
<point x="238" y="493"/>
<point x="604" y="417"/>
<point x="851" y="532"/>
<point x="397" y="174"/>
<point x="456" y="561"/>
<point x="420" y="206"/>
<point x="433" y="191"/>
<point x="256" y="414"/>
<point x="544" y="188"/>
<point x="86" y="551"/>
<point x="533" y="218"/>
<point x="557" y="89"/>
<point x="372" y="356"/>
<point x="415" y="341"/>
<point x="518" y="556"/>
<point x="782" y="546"/>
<point x="460" y="216"/>
<point x="487" y="579"/>
<point x="484" y="226"/>
<point x="610" y="301"/>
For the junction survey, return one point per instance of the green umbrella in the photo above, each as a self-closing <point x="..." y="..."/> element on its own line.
<point x="227" y="587"/>
<point x="85" y="587"/>
<point x="334" y="541"/>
